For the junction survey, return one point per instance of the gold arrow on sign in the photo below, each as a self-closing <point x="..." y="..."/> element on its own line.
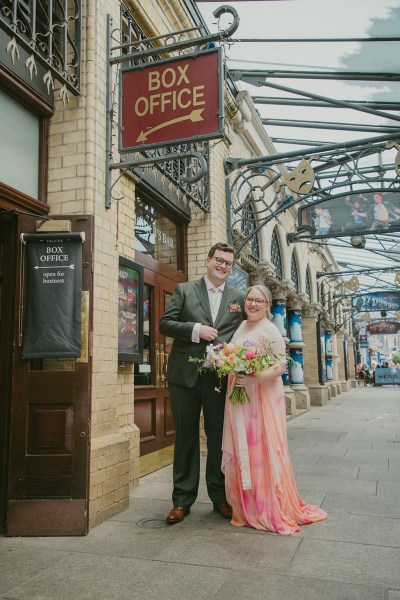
<point x="194" y="116"/>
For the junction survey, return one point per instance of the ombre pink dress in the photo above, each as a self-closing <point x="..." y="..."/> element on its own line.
<point x="259" y="478"/>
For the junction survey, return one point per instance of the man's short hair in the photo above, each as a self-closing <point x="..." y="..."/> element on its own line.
<point x="220" y="246"/>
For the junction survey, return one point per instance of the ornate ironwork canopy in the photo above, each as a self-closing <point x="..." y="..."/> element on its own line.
<point x="343" y="87"/>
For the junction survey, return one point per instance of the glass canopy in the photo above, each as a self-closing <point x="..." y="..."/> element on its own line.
<point x="325" y="74"/>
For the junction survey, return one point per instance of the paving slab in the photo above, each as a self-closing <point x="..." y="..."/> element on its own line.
<point x="274" y="587"/>
<point x="114" y="578"/>
<point x="346" y="458"/>
<point x="347" y="562"/>
<point x="254" y="551"/>
<point x="19" y="564"/>
<point x="358" y="504"/>
<point x="332" y="484"/>
<point x="361" y="529"/>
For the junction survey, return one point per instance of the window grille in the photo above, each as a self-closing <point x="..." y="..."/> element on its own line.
<point x="308" y="284"/>
<point x="276" y="255"/>
<point x="248" y="226"/>
<point x="294" y="274"/>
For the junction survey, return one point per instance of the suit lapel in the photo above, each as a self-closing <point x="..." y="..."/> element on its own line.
<point x="201" y="291"/>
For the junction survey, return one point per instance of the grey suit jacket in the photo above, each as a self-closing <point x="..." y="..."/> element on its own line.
<point x="189" y="305"/>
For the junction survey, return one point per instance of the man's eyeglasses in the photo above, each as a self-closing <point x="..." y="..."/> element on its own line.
<point x="222" y="261"/>
<point x="257" y="301"/>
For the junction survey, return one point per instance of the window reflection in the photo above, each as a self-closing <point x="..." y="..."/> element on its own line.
<point x="155" y="234"/>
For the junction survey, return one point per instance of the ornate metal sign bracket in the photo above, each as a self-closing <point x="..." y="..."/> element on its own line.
<point x="132" y="52"/>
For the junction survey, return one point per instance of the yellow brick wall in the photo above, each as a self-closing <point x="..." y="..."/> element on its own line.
<point x="77" y="166"/>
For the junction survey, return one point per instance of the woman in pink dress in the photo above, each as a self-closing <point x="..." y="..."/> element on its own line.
<point x="259" y="478"/>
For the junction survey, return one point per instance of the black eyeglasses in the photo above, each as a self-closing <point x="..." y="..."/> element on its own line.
<point x="257" y="301"/>
<point x="222" y="261"/>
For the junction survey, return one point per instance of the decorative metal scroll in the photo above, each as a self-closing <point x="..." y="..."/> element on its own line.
<point x="50" y="32"/>
<point x="270" y="185"/>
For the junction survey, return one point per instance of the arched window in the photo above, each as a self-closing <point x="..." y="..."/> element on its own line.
<point x="322" y="294"/>
<point x="294" y="273"/>
<point x="276" y="255"/>
<point x="248" y="227"/>
<point x="308" y="284"/>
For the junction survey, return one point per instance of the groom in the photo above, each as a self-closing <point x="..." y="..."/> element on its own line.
<point x="201" y="312"/>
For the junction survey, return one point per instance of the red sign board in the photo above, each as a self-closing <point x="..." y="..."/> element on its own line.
<point x="172" y="101"/>
<point x="383" y="327"/>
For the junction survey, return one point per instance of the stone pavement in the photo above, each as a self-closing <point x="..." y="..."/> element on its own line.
<point x="346" y="457"/>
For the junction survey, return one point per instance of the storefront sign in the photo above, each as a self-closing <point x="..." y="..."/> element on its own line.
<point x="383" y="327"/>
<point x="52" y="326"/>
<point x="172" y="101"/>
<point x="384" y="376"/>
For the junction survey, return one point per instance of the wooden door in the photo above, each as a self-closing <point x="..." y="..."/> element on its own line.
<point x="49" y="425"/>
<point x="152" y="407"/>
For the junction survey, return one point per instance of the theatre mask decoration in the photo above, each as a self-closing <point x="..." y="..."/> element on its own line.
<point x="301" y="179"/>
<point x="352" y="284"/>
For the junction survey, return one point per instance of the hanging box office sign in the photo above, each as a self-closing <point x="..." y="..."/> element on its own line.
<point x="172" y="101"/>
<point x="52" y="325"/>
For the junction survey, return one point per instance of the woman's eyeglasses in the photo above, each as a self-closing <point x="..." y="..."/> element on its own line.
<point x="257" y="301"/>
<point x="222" y="261"/>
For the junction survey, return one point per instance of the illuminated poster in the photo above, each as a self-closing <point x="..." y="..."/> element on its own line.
<point x="383" y="327"/>
<point x="321" y="352"/>
<point x="376" y="301"/>
<point x="130" y="311"/>
<point x="353" y="214"/>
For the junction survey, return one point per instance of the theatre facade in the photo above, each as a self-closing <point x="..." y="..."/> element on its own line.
<point x="97" y="226"/>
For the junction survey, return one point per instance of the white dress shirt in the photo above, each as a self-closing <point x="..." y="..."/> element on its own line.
<point x="210" y="286"/>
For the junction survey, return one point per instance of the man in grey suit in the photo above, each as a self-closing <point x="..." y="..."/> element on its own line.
<point x="200" y="312"/>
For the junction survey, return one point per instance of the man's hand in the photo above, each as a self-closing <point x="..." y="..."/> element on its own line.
<point x="208" y="333"/>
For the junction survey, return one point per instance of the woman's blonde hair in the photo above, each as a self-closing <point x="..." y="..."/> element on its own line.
<point x="265" y="292"/>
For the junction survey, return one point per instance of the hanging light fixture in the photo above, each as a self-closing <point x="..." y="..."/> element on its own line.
<point x="358" y="241"/>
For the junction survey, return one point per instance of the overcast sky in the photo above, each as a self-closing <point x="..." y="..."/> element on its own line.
<point x="322" y="19"/>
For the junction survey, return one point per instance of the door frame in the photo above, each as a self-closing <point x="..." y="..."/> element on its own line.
<point x="161" y="278"/>
<point x="9" y="223"/>
<point x="41" y="512"/>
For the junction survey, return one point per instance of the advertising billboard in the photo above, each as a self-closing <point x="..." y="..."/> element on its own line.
<point x="376" y="301"/>
<point x="352" y="214"/>
<point x="383" y="327"/>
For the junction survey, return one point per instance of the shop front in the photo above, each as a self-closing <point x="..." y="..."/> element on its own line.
<point x="160" y="244"/>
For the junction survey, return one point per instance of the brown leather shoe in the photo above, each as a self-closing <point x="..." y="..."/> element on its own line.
<point x="177" y="514"/>
<point x="224" y="509"/>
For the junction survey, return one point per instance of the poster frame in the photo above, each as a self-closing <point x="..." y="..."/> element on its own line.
<point x="132" y="310"/>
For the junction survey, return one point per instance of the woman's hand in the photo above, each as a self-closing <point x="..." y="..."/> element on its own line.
<point x="272" y="372"/>
<point x="242" y="380"/>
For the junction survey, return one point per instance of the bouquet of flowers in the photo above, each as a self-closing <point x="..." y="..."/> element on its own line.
<point x="232" y="358"/>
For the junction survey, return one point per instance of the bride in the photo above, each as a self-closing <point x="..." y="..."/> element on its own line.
<point x="259" y="478"/>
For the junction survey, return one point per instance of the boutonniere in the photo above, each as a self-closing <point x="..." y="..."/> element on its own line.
<point x="235" y="308"/>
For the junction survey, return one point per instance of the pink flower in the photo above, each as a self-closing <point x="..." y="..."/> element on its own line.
<point x="235" y="308"/>
<point x="250" y="355"/>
